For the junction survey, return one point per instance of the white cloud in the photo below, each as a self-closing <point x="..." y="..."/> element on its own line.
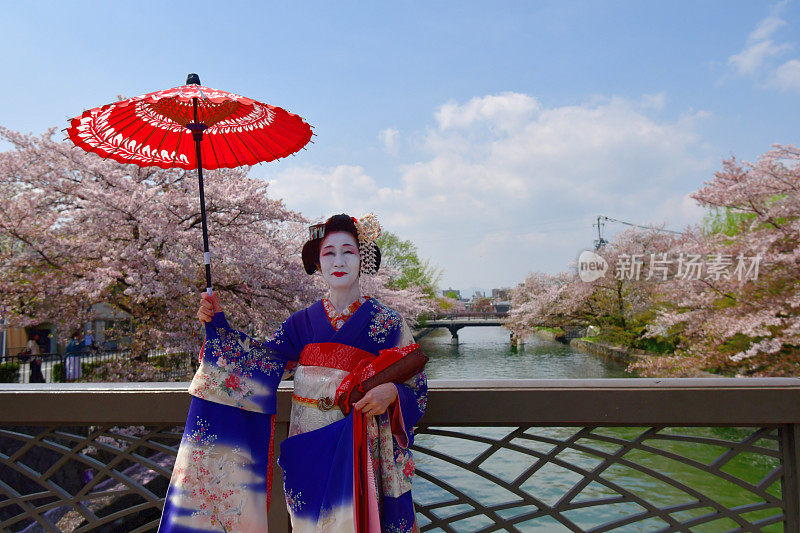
<point x="753" y="58"/>
<point x="504" y="110"/>
<point x="787" y="76"/>
<point x="316" y="191"/>
<point x="772" y="22"/>
<point x="760" y="46"/>
<point x="759" y="58"/>
<point x="389" y="138"/>
<point x="654" y="101"/>
<point x="502" y="185"/>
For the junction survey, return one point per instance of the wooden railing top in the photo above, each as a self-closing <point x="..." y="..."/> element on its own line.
<point x="547" y="402"/>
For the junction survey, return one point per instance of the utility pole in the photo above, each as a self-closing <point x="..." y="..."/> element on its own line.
<point x="600" y="242"/>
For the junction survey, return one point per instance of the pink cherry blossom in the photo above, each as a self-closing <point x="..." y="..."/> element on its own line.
<point x="739" y="326"/>
<point x="76" y="229"/>
<point x="737" y="314"/>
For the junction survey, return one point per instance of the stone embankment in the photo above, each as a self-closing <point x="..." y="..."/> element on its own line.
<point x="419" y="332"/>
<point x="623" y="355"/>
<point x="548" y="335"/>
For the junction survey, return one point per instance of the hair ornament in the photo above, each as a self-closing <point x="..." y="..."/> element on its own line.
<point x="369" y="229"/>
<point x="317" y="231"/>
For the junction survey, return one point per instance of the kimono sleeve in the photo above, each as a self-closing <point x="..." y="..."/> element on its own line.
<point x="223" y="469"/>
<point x="239" y="371"/>
<point x="412" y="398"/>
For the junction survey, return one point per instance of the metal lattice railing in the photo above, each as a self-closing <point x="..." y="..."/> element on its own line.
<point x="600" y="479"/>
<point x="529" y="455"/>
<point x="84" y="478"/>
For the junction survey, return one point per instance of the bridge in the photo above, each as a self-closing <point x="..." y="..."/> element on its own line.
<point x="496" y="455"/>
<point x="455" y="321"/>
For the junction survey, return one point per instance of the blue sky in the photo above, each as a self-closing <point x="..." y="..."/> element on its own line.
<point x="490" y="133"/>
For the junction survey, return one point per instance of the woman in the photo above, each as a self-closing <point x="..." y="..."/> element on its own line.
<point x="35" y="351"/>
<point x="72" y="358"/>
<point x="359" y="388"/>
<point x="33" y="347"/>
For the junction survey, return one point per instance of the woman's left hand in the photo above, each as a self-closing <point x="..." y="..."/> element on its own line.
<point x="377" y="400"/>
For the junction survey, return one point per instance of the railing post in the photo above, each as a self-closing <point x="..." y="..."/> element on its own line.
<point x="278" y="518"/>
<point x="790" y="458"/>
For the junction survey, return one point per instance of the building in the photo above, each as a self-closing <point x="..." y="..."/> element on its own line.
<point x="501" y="294"/>
<point x="110" y="328"/>
<point x="445" y="292"/>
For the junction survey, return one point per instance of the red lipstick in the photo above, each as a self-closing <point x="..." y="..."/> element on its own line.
<point x="339" y="274"/>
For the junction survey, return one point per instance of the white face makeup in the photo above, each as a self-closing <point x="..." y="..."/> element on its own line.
<point x="338" y="260"/>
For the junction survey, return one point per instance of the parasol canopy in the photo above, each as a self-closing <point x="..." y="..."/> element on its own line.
<point x="155" y="129"/>
<point x="190" y="127"/>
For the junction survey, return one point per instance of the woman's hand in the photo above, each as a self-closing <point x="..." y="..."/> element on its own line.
<point x="209" y="306"/>
<point x="377" y="400"/>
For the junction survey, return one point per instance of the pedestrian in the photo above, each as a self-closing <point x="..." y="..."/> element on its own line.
<point x="32" y="348"/>
<point x="88" y="341"/>
<point x="34" y="351"/>
<point x="36" y="375"/>
<point x="72" y="356"/>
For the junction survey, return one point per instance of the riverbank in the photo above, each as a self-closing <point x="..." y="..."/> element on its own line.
<point x="550" y="334"/>
<point x="607" y="352"/>
<point x="622" y="355"/>
<point x="420" y="333"/>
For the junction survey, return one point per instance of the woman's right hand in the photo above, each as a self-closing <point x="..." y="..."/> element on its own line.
<point x="209" y="306"/>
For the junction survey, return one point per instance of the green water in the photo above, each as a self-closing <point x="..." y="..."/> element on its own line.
<point x="642" y="472"/>
<point x="485" y="352"/>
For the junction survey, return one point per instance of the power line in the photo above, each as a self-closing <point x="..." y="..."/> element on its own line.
<point x="600" y="242"/>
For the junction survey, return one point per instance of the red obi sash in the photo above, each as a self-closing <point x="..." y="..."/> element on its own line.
<point x="333" y="355"/>
<point x="364" y="489"/>
<point x="362" y="365"/>
<point x="365" y="369"/>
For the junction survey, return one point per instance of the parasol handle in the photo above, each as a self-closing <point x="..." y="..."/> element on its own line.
<point x="206" y="252"/>
<point x="197" y="133"/>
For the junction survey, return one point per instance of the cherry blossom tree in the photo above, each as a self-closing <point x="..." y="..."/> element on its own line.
<point x="411" y="302"/>
<point x="447" y="304"/>
<point x="724" y="295"/>
<point x="620" y="300"/>
<point x="742" y="314"/>
<point x="539" y="301"/>
<point x="76" y="229"/>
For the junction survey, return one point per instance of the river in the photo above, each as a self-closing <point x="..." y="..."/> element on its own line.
<point x="485" y="353"/>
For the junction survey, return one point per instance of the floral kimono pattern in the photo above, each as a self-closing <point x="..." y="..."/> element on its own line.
<point x="222" y="473"/>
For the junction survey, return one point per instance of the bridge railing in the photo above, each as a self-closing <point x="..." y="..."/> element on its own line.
<point x="558" y="455"/>
<point x="20" y="368"/>
<point x="469" y="314"/>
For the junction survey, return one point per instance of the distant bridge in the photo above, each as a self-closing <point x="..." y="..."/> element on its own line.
<point x="455" y="321"/>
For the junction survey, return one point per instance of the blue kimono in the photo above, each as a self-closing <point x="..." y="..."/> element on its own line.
<point x="341" y="473"/>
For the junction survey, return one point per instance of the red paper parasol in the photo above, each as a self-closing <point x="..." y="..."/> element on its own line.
<point x="188" y="127"/>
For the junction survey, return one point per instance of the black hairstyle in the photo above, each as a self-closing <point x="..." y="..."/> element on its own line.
<point x="317" y="232"/>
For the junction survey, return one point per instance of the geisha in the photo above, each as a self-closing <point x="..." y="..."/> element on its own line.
<point x="359" y="388"/>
